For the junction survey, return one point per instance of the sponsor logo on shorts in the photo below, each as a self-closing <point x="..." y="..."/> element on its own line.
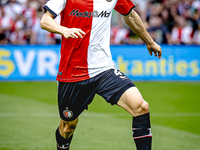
<point x="95" y="13"/>
<point x="119" y="74"/>
<point x="68" y="113"/>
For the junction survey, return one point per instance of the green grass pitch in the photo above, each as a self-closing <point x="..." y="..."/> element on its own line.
<point x="29" y="117"/>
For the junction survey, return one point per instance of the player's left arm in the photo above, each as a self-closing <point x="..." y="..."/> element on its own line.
<point x="134" y="21"/>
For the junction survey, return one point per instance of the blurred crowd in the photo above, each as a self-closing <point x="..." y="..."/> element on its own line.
<point x="167" y="21"/>
<point x="20" y="23"/>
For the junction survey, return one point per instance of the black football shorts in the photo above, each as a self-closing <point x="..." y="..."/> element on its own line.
<point x="74" y="97"/>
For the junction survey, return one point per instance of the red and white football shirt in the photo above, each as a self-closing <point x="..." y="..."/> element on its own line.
<point x="86" y="57"/>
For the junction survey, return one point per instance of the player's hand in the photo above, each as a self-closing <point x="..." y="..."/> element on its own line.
<point x="154" y="48"/>
<point x="72" y="33"/>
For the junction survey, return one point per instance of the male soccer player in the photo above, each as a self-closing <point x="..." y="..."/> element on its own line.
<point x="86" y="66"/>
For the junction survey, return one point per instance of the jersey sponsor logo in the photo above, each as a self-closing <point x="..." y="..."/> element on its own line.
<point x="95" y="13"/>
<point x="68" y="113"/>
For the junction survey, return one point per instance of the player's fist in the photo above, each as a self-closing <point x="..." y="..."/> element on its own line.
<point x="154" y="48"/>
<point x="72" y="33"/>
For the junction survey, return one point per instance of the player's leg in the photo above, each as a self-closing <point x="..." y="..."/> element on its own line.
<point x="73" y="99"/>
<point x="119" y="89"/>
<point x="64" y="133"/>
<point x="133" y="102"/>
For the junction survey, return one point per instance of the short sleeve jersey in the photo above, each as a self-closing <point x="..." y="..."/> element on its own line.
<point x="84" y="58"/>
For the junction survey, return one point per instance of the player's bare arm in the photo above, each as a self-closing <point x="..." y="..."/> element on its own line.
<point x="135" y="23"/>
<point x="48" y="23"/>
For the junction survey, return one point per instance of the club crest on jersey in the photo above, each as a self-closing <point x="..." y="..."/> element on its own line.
<point x="68" y="113"/>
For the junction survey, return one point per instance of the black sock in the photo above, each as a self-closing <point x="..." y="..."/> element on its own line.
<point x="62" y="143"/>
<point x="142" y="132"/>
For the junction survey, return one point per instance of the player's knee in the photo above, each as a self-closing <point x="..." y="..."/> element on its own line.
<point x="67" y="127"/>
<point x="143" y="108"/>
<point x="70" y="126"/>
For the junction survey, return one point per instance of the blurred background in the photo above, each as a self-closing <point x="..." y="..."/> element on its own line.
<point x="29" y="59"/>
<point x="168" y="22"/>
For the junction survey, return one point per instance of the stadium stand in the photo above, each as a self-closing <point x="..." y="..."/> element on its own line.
<point x="168" y="22"/>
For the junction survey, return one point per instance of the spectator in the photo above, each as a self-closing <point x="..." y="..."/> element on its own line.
<point x="39" y="36"/>
<point x="142" y="6"/>
<point x="29" y="12"/>
<point x="167" y="19"/>
<point x="13" y="9"/>
<point x="6" y="24"/>
<point x="159" y="31"/>
<point x="196" y="38"/>
<point x="119" y="34"/>
<point x="3" y="39"/>
<point x="17" y="37"/>
<point x="166" y="14"/>
<point x="182" y="33"/>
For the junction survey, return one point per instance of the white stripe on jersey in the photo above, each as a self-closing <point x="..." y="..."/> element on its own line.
<point x="99" y="56"/>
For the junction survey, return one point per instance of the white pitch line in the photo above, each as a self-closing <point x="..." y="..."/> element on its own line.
<point x="182" y="114"/>
<point x="29" y="115"/>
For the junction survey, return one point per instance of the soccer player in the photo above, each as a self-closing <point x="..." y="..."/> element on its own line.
<point x="86" y="66"/>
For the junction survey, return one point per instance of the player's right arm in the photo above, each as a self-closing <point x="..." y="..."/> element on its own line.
<point x="47" y="23"/>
